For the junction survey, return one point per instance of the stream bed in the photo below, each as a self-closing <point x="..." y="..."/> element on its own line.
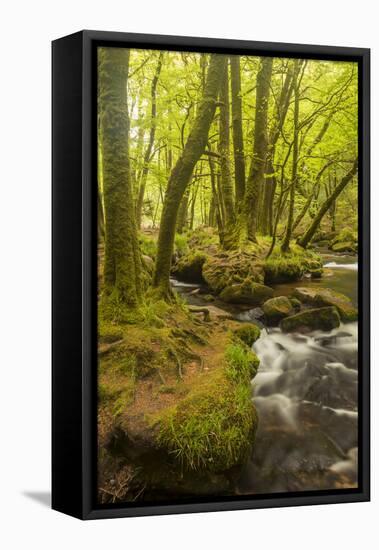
<point x="306" y="396"/>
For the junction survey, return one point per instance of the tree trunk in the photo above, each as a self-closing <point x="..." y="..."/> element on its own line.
<point x="100" y="218"/>
<point x="311" y="196"/>
<point x="149" y="148"/>
<point x="122" y="267"/>
<point x="229" y="238"/>
<point x="239" y="159"/>
<point x="267" y="217"/>
<point x="305" y="240"/>
<point x="295" y="158"/>
<point x="182" y="171"/>
<point x="255" y="178"/>
<point x="182" y="222"/>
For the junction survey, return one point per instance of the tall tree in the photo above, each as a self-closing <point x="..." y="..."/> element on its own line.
<point x="308" y="235"/>
<point x="181" y="173"/>
<point x="149" y="148"/>
<point x="239" y="159"/>
<point x="229" y="238"/>
<point x="255" y="178"/>
<point x="122" y="267"/>
<point x="282" y="105"/>
<point x="295" y="158"/>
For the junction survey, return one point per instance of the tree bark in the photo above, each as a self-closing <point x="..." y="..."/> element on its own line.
<point x="149" y="148"/>
<point x="305" y="240"/>
<point x="238" y="148"/>
<point x="229" y="237"/>
<point x="295" y="159"/>
<point x="255" y="178"/>
<point x="267" y="218"/>
<point x="122" y="267"/>
<point x="181" y="174"/>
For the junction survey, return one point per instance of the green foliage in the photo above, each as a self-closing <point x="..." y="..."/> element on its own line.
<point x="242" y="363"/>
<point x="181" y="244"/>
<point x="282" y="268"/>
<point x="148" y="245"/>
<point x="247" y="333"/>
<point x="212" y="428"/>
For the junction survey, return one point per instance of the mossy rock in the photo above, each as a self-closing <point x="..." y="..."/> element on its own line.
<point x="324" y="318"/>
<point x="276" y="309"/>
<point x="232" y="267"/>
<point x="212" y="429"/>
<point x="189" y="268"/>
<point x="246" y="293"/>
<point x="345" y="247"/>
<point x="248" y="333"/>
<point x="327" y="297"/>
<point x="296" y="304"/>
<point x="346" y="235"/>
<point x="283" y="268"/>
<point x="208" y="298"/>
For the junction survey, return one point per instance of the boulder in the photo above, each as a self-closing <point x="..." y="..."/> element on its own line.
<point x="283" y="268"/>
<point x="327" y="297"/>
<point x="246" y="293"/>
<point x="345" y="247"/>
<point x="324" y="318"/>
<point x="189" y="268"/>
<point x="247" y="333"/>
<point x="275" y="309"/>
<point x="232" y="267"/>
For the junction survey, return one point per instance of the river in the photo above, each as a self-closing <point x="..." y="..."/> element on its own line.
<point x="306" y="396"/>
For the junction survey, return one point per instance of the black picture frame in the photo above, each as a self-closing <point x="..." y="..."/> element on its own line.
<point x="74" y="255"/>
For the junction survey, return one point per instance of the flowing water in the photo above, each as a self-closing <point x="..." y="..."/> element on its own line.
<point x="306" y="396"/>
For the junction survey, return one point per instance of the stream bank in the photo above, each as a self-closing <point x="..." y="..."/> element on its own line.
<point x="305" y="392"/>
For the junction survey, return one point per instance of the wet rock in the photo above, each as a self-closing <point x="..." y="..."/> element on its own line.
<point x="246" y="293"/>
<point x="275" y="309"/>
<point x="345" y="247"/>
<point x="324" y="318"/>
<point x="327" y="297"/>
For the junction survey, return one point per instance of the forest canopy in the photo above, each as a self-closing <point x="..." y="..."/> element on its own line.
<point x="282" y="137"/>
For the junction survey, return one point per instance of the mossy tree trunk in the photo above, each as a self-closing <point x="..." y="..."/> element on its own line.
<point x="267" y="211"/>
<point x="149" y="148"/>
<point x="229" y="237"/>
<point x="295" y="158"/>
<point x="308" y="235"/>
<point x="238" y="148"/>
<point x="254" y="183"/>
<point x="122" y="266"/>
<point x="182" y="222"/>
<point x="181" y="173"/>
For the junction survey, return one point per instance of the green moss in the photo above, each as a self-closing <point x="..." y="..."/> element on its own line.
<point x="148" y="245"/>
<point x="320" y="297"/>
<point x="247" y="292"/>
<point x="190" y="267"/>
<point x="247" y="333"/>
<point x="346" y="235"/>
<point x="213" y="427"/>
<point x="324" y="318"/>
<point x="181" y="244"/>
<point x="242" y="363"/>
<point x="285" y="267"/>
<point x="109" y="333"/>
<point x="277" y="308"/>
